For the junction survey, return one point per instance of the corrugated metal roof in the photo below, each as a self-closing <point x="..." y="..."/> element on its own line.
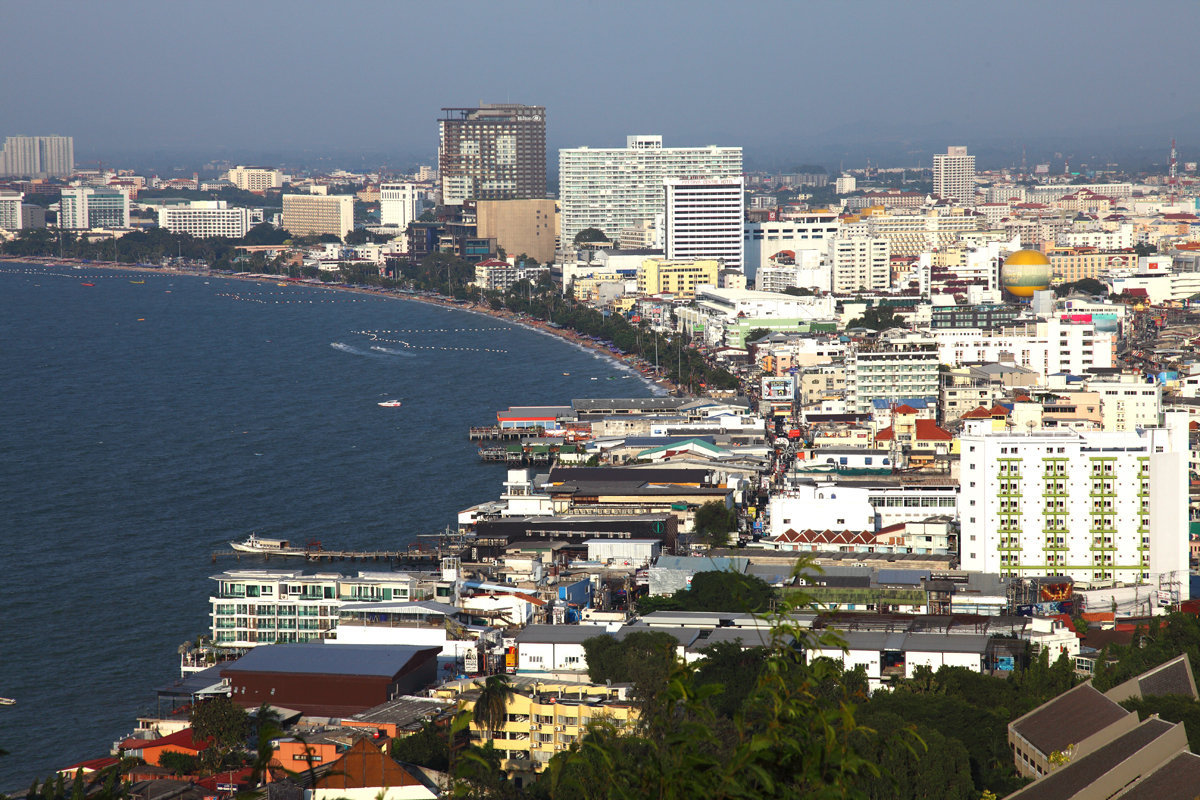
<point x="380" y="660"/>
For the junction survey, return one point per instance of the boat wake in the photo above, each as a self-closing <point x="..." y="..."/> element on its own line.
<point x="345" y="348"/>
<point x="391" y="351"/>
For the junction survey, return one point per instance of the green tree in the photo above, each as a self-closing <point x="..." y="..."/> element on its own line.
<point x="877" y="318"/>
<point x="224" y="724"/>
<point x="754" y="334"/>
<point x="427" y="747"/>
<point x="590" y="235"/>
<point x="180" y="763"/>
<point x="641" y="658"/>
<point x="491" y="707"/>
<point x="714" y="521"/>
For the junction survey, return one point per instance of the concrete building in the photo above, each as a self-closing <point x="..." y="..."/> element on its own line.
<point x="314" y="215"/>
<point x="206" y="218"/>
<point x="913" y="233"/>
<point x="495" y="275"/>
<point x="811" y="230"/>
<point x="680" y="278"/>
<point x="10" y="210"/>
<point x="860" y="263"/>
<point x="703" y="220"/>
<point x="493" y="152"/>
<point x="255" y="179"/>
<point x="1096" y="507"/>
<point x="85" y="207"/>
<point x="1044" y="346"/>
<point x="37" y="157"/>
<point x="616" y="188"/>
<point x="806" y="269"/>
<point x="954" y="175"/>
<point x="897" y="365"/>
<point x="520" y="226"/>
<point x="399" y="204"/>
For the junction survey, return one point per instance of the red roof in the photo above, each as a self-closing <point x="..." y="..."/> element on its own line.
<point x="826" y="537"/>
<point x="91" y="765"/>
<point x="905" y="408"/>
<point x="182" y="739"/>
<point x="926" y="431"/>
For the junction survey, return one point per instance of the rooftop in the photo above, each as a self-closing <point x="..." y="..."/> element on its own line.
<point x="377" y="660"/>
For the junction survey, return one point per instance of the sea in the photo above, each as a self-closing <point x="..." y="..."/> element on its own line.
<point x="150" y="419"/>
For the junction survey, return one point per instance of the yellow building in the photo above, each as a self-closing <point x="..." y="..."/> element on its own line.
<point x="585" y="289"/>
<point x="520" y="226"/>
<point x="547" y="720"/>
<point x="680" y="278"/>
<point x="1075" y="264"/>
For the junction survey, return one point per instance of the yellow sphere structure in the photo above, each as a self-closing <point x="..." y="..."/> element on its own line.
<point x="1025" y="272"/>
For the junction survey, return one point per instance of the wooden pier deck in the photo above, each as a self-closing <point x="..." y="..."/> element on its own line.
<point x="408" y="556"/>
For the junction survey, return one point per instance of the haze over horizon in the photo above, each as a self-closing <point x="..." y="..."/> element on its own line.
<point x="790" y="82"/>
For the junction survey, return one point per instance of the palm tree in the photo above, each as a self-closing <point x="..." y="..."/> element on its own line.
<point x="491" y="709"/>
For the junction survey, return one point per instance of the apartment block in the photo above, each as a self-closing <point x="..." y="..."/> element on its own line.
<point x="860" y="263"/>
<point x="38" y="156"/>
<point x="493" y="152"/>
<point x="680" y="278"/>
<point x="704" y="219"/>
<point x="315" y="215"/>
<point x="85" y="207"/>
<point x="255" y="179"/>
<point x="206" y="218"/>
<point x="954" y="175"/>
<point x="893" y="367"/>
<point x="1098" y="507"/>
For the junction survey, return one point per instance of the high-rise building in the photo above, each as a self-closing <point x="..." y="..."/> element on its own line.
<point x="38" y="156"/>
<point x="399" y="204"/>
<point x="85" y="207"/>
<point x="954" y="175"/>
<point x="206" y="218"/>
<point x="494" y="152"/>
<point x="615" y="188"/>
<point x="703" y="219"/>
<point x="898" y="365"/>
<point x="680" y="278"/>
<point x="317" y="215"/>
<point x="255" y="179"/>
<point x="520" y="226"/>
<point x="10" y="210"/>
<point x="1093" y="506"/>
<point x="860" y="262"/>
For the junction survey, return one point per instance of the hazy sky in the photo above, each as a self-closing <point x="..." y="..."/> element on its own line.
<point x="250" y="77"/>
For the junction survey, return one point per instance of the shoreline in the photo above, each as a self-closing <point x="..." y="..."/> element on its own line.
<point x="568" y="335"/>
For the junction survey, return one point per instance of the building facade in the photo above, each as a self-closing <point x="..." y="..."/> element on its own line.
<point x="255" y="179"/>
<point x="891" y="368"/>
<point x="10" y="210"/>
<point x="315" y="215"/>
<point x="954" y="175"/>
<point x="206" y="218"/>
<point x="38" y="156"/>
<point x="616" y="188"/>
<point x="860" y="263"/>
<point x="703" y="219"/>
<point x="493" y="152"/>
<point x="85" y="207"/>
<point x="680" y="278"/>
<point x="1097" y="507"/>
<point x="399" y="204"/>
<point x="520" y="226"/>
<point x="762" y="241"/>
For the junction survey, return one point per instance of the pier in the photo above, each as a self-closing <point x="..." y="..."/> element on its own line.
<point x="495" y="433"/>
<point x="412" y="555"/>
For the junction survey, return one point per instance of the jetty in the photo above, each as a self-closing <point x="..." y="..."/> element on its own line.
<point x="410" y="555"/>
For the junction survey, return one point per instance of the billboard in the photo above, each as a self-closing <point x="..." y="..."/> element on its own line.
<point x="779" y="389"/>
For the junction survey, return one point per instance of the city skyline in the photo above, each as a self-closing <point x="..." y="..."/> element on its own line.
<point x="833" y="84"/>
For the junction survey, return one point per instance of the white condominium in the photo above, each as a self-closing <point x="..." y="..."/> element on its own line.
<point x="897" y="365"/>
<point x="38" y="156"/>
<point x="399" y="204"/>
<point x="314" y="215"/>
<point x="618" y="187"/>
<point x="1096" y="506"/>
<point x="255" y="179"/>
<point x="954" y="175"/>
<point x="10" y="210"/>
<point x="704" y="219"/>
<point x="810" y="230"/>
<point x="206" y="218"/>
<point x="83" y="207"/>
<point x="860" y="263"/>
<point x="1045" y="346"/>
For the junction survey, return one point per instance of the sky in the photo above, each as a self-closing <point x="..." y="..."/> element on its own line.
<point x="789" y="81"/>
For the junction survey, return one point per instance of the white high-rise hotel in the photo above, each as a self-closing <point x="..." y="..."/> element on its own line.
<point x="954" y="175"/>
<point x="1097" y="507"/>
<point x="704" y="219"/>
<point x="399" y="204"/>
<point x="615" y="188"/>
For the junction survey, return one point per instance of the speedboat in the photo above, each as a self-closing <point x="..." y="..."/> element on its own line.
<point x="390" y="403"/>
<point x="271" y="547"/>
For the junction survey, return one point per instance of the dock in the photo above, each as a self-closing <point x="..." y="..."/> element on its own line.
<point x="494" y="433"/>
<point x="419" y="556"/>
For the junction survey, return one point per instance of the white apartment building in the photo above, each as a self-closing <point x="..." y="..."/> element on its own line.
<point x="10" y="210"/>
<point x="38" y="156"/>
<point x="954" y="175"/>
<point x="845" y="184"/>
<point x="1098" y="507"/>
<point x="206" y="218"/>
<point x="313" y="215"/>
<point x="85" y="207"/>
<point x="399" y="204"/>
<point x="812" y="230"/>
<point x="255" y="179"/>
<point x="899" y="365"/>
<point x="1119" y="239"/>
<point x="1045" y="346"/>
<point x="859" y="263"/>
<point x="1127" y="402"/>
<point x="703" y="219"/>
<point x="1051" y="194"/>
<point x="911" y="233"/>
<point x="616" y="188"/>
<point x="808" y="270"/>
<point x="254" y="606"/>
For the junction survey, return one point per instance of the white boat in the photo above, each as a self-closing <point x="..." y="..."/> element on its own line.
<point x="272" y="547"/>
<point x="390" y="403"/>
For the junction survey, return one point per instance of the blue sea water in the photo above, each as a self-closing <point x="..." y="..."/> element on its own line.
<point x="145" y="425"/>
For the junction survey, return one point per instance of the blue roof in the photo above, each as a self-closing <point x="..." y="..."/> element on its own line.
<point x="912" y="577"/>
<point x="912" y="402"/>
<point x="381" y="660"/>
